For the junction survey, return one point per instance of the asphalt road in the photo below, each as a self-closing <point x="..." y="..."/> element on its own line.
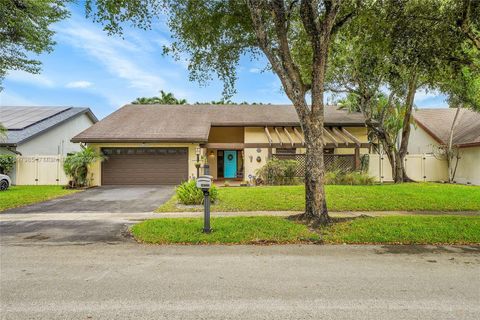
<point x="125" y="280"/>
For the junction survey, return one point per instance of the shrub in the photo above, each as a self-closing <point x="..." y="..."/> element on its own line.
<point x="188" y="193"/>
<point x="76" y="165"/>
<point x="7" y="162"/>
<point x="348" y="178"/>
<point x="278" y="172"/>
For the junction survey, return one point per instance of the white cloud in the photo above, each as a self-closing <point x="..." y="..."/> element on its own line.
<point x="255" y="70"/>
<point x="114" y="53"/>
<point x="34" y="79"/>
<point x="79" y="84"/>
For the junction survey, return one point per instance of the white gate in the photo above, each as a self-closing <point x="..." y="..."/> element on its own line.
<point x="419" y="167"/>
<point x="40" y="170"/>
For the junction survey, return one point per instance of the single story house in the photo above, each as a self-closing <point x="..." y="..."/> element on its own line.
<point x="160" y="144"/>
<point x="432" y="128"/>
<point x="42" y="131"/>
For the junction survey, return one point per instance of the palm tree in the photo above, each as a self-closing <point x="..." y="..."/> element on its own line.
<point x="164" y="98"/>
<point x="3" y="132"/>
<point x="76" y="165"/>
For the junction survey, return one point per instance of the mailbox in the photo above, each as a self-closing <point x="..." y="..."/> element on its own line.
<point x="205" y="183"/>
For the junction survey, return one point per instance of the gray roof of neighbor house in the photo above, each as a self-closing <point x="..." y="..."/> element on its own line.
<point x="438" y="122"/>
<point x="25" y="123"/>
<point x="191" y="123"/>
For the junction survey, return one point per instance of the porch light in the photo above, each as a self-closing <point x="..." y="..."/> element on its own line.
<point x="212" y="154"/>
<point x="197" y="151"/>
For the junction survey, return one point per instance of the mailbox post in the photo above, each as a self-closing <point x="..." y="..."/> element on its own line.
<point x="204" y="183"/>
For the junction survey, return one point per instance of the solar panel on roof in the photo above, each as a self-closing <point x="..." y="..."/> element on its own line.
<point x="17" y="118"/>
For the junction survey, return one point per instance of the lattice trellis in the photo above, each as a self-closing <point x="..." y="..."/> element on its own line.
<point x="333" y="162"/>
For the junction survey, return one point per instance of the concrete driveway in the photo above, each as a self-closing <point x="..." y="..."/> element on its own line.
<point x="115" y="199"/>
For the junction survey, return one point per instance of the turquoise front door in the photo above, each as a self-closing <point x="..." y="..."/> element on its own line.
<point x="230" y="164"/>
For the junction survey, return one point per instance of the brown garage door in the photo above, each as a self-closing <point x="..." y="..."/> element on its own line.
<point x="144" y="166"/>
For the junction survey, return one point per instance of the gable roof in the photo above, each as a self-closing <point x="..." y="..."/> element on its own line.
<point x="438" y="122"/>
<point x="25" y="123"/>
<point x="191" y="123"/>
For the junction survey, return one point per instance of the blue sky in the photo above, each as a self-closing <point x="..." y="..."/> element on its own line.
<point x="89" y="68"/>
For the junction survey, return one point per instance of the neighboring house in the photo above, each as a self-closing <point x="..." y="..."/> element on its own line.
<point x="158" y="144"/>
<point x="42" y="131"/>
<point x="433" y="129"/>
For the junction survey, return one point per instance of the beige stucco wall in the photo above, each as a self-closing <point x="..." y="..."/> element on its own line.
<point x="251" y="163"/>
<point x="57" y="140"/>
<point x="226" y="134"/>
<point x="468" y="170"/>
<point x="212" y="162"/>
<point x="361" y="133"/>
<point x="420" y="141"/>
<point x="95" y="169"/>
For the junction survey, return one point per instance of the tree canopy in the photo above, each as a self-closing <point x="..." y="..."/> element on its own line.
<point x="361" y="47"/>
<point x="25" y="30"/>
<point x="164" y="98"/>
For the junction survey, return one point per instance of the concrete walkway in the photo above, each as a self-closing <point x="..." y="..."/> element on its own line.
<point x="133" y="217"/>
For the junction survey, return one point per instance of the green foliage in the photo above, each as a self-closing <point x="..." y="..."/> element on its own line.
<point x="18" y="196"/>
<point x="76" y="165"/>
<point x="189" y="194"/>
<point x="231" y="230"/>
<point x="25" y="30"/>
<point x="164" y="98"/>
<point x="7" y="162"/>
<point x="348" y="178"/>
<point x="278" y="172"/>
<point x="406" y="230"/>
<point x="229" y="102"/>
<point x="377" y="197"/>
<point x="3" y="132"/>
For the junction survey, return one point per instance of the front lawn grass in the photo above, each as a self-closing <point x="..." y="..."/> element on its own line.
<point x="226" y="230"/>
<point x="17" y="196"/>
<point x="405" y="230"/>
<point x="387" y="197"/>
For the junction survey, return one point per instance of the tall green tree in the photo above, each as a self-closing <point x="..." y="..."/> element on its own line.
<point x="401" y="47"/>
<point x="164" y="98"/>
<point x="25" y="30"/>
<point x="215" y="34"/>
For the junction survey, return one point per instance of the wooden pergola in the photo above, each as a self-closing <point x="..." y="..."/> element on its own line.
<point x="292" y="137"/>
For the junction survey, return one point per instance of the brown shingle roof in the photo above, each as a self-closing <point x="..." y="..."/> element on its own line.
<point x="191" y="123"/>
<point x="438" y="122"/>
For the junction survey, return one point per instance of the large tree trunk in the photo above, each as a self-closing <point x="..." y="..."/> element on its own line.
<point x="401" y="175"/>
<point x="450" y="153"/>
<point x="315" y="203"/>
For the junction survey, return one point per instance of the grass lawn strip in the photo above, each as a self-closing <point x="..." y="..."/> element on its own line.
<point x="226" y="230"/>
<point x="405" y="230"/>
<point x="387" y="197"/>
<point x="17" y="196"/>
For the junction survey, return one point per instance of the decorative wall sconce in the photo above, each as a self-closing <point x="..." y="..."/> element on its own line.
<point x="259" y="159"/>
<point x="251" y="158"/>
<point x="212" y="154"/>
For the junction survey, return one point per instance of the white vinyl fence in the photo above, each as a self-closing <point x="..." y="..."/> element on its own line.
<point x="419" y="167"/>
<point x="40" y="170"/>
